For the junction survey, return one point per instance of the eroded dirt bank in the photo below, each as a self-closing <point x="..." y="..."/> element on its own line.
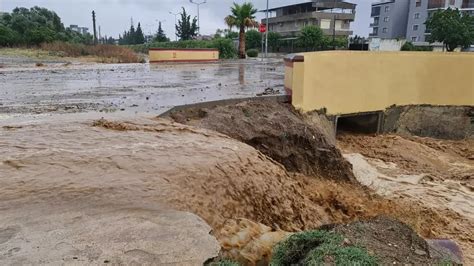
<point x="301" y="143"/>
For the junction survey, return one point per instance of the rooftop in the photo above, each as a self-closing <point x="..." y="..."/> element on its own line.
<point x="319" y="4"/>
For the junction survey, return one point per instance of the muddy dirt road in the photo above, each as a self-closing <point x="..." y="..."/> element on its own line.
<point x="132" y="88"/>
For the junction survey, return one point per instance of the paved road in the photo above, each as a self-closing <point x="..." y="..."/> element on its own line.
<point x="131" y="88"/>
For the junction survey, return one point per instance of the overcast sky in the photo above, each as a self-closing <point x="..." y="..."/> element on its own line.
<point x="114" y="15"/>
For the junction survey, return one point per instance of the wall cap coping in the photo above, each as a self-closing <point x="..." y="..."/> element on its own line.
<point x="294" y="58"/>
<point x="184" y="49"/>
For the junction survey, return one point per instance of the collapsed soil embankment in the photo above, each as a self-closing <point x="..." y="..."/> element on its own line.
<point x="300" y="143"/>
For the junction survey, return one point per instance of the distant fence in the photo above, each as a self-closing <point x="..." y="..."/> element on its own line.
<point x="345" y="82"/>
<point x="163" y="55"/>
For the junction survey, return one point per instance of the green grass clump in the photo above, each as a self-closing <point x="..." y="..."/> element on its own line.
<point x="224" y="262"/>
<point x="317" y="248"/>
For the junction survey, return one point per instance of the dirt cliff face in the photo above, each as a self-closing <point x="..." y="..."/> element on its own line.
<point x="442" y="122"/>
<point x="278" y="131"/>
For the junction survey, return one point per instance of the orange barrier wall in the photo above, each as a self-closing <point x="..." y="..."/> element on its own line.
<point x="160" y="55"/>
<point x="346" y="82"/>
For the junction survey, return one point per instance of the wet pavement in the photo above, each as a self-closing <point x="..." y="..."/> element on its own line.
<point x="130" y="88"/>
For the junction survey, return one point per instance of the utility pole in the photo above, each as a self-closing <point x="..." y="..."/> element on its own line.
<point x="198" y="4"/>
<point x="100" y="35"/>
<point x="95" y="31"/>
<point x="266" y="32"/>
<point x="175" y="24"/>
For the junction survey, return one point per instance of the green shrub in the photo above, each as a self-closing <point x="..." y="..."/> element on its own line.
<point x="253" y="39"/>
<point x="408" y="46"/>
<point x="252" y="53"/>
<point x="314" y="247"/>
<point x="226" y="48"/>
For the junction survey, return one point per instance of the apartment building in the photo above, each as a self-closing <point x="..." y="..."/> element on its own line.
<point x="421" y="10"/>
<point x="326" y="14"/>
<point x="389" y="19"/>
<point x="394" y="19"/>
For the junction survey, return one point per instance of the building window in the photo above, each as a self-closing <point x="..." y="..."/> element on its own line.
<point x="414" y="39"/>
<point x="452" y="2"/>
<point x="386" y="19"/>
<point x="376" y="31"/>
<point x="418" y="3"/>
<point x="417" y="15"/>
<point x="387" y="8"/>
<point x="325" y="24"/>
<point x="415" y="27"/>
<point x="384" y="30"/>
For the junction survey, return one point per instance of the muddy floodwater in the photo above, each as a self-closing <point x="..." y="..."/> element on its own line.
<point x="52" y="215"/>
<point x="130" y="88"/>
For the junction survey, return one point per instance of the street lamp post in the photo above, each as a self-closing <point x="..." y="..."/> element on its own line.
<point x="334" y="27"/>
<point x="175" y="23"/>
<point x="197" y="3"/>
<point x="266" y="32"/>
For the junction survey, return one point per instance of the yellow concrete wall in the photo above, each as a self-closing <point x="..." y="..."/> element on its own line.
<point x="347" y="82"/>
<point x="183" y="55"/>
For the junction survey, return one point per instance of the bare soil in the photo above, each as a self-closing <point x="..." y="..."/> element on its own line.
<point x="301" y="144"/>
<point x="392" y="242"/>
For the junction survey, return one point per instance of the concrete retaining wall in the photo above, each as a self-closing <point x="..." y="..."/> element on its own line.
<point x="349" y="82"/>
<point x="159" y="55"/>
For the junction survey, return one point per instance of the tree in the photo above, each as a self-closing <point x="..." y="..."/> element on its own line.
<point x="131" y="35"/>
<point x="8" y="37"/>
<point x="230" y="22"/>
<point x="243" y="16"/>
<point x="274" y="41"/>
<point x="311" y="38"/>
<point x="451" y="27"/>
<point x="232" y="35"/>
<point x="110" y="40"/>
<point x="338" y="42"/>
<point x="253" y="39"/>
<point x="139" y="38"/>
<point x="31" y="27"/>
<point x="160" y="35"/>
<point x="186" y="29"/>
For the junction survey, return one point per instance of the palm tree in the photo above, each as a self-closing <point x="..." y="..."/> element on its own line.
<point x="229" y="21"/>
<point x="243" y="16"/>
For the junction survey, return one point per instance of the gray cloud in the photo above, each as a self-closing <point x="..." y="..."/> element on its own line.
<point x="114" y="15"/>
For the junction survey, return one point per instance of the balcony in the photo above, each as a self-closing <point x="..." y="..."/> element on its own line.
<point x="467" y="4"/>
<point x="432" y="4"/>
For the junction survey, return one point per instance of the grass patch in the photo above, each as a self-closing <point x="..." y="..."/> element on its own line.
<point x="317" y="248"/>
<point x="224" y="262"/>
<point x="104" y="53"/>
